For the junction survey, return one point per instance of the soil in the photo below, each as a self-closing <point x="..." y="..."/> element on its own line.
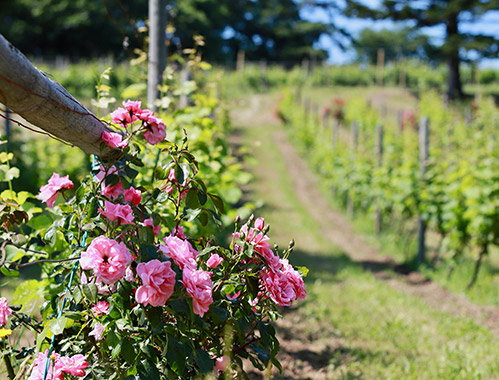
<point x="307" y="352"/>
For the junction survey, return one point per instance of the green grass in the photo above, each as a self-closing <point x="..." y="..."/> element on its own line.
<point x="383" y="333"/>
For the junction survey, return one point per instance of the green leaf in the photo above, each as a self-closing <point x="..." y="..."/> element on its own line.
<point x="202" y="197"/>
<point x="192" y="200"/>
<point x="90" y="291"/>
<point x="217" y="202"/>
<point x="203" y="361"/>
<point x="148" y="371"/>
<point x="155" y="316"/>
<point x="179" y="174"/>
<point x="127" y="351"/>
<point x="77" y="295"/>
<point x="57" y="326"/>
<point x="116" y="350"/>
<point x="176" y="355"/>
<point x="9" y="273"/>
<point x="304" y="271"/>
<point x="191" y="214"/>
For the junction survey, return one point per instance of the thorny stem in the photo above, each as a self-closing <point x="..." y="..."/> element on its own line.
<point x="8" y="364"/>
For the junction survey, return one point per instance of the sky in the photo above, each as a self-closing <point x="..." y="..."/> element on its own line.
<point x="488" y="24"/>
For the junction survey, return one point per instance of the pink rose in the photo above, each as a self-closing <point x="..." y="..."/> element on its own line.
<point x="294" y="278"/>
<point x="133" y="107"/>
<point x="102" y="307"/>
<point x="158" y="279"/>
<point x="74" y="365"/>
<point x="259" y="223"/>
<point x="133" y="196"/>
<point x="222" y="363"/>
<point x="39" y="363"/>
<point x="150" y="223"/>
<point x="277" y="285"/>
<point x="122" y="213"/>
<point x="114" y="140"/>
<point x="107" y="258"/>
<point x="103" y="172"/>
<point x="5" y="311"/>
<point x="49" y="192"/>
<point x="129" y="275"/>
<point x="112" y="192"/>
<point x="214" y="261"/>
<point x="123" y="117"/>
<point x="97" y="331"/>
<point x="179" y="232"/>
<point x="270" y="257"/>
<point x="180" y="251"/>
<point x="154" y="131"/>
<point x="199" y="286"/>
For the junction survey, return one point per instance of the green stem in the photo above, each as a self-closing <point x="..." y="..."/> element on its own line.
<point x="8" y="364"/>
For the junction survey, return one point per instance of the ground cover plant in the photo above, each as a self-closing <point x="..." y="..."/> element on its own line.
<point x="134" y="282"/>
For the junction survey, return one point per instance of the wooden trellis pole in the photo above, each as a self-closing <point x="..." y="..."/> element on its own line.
<point x="44" y="103"/>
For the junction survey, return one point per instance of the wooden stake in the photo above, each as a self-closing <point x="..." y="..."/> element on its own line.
<point x="379" y="154"/>
<point x="423" y="162"/>
<point x="157" y="50"/>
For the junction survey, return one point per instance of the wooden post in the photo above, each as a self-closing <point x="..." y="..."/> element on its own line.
<point x="467" y="115"/>
<point x="380" y="67"/>
<point x="325" y="120"/>
<point x="355" y="142"/>
<point x="305" y="67"/>
<point x="307" y="108"/>
<point x="240" y="61"/>
<point x="400" y="121"/>
<point x="423" y="162"/>
<point x="379" y="156"/>
<point x="157" y="50"/>
<point x="46" y="104"/>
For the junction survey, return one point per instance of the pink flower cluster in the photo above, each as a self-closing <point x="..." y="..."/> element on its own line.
<point x="278" y="278"/>
<point x="49" y="192"/>
<point x="198" y="283"/>
<point x="59" y="365"/>
<point x="153" y="129"/>
<point x="5" y="311"/>
<point x="107" y="258"/>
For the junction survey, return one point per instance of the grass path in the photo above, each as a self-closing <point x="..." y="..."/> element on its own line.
<point x="358" y="322"/>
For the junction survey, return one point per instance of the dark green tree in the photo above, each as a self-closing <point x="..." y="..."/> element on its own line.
<point x="397" y="44"/>
<point x="450" y="14"/>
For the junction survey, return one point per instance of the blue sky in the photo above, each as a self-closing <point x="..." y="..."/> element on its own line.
<point x="488" y="24"/>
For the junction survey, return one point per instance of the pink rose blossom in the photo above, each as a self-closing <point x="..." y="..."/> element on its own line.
<point x="133" y="196"/>
<point x="97" y="331"/>
<point x="122" y="213"/>
<point x="112" y="192"/>
<point x="222" y="363"/>
<point x="259" y="223"/>
<point x="5" y="311"/>
<point x="107" y="258"/>
<point x="154" y="130"/>
<point x="56" y="183"/>
<point x="277" y="285"/>
<point x="129" y="275"/>
<point x="180" y="251"/>
<point x="39" y="363"/>
<point x="103" y="172"/>
<point x="75" y="365"/>
<point x="158" y="279"/>
<point x="114" y="140"/>
<point x="199" y="286"/>
<point x="123" y="117"/>
<point x="294" y="278"/>
<point x="179" y="232"/>
<point x="233" y="297"/>
<point x="102" y="307"/>
<point x="150" y="223"/>
<point x="133" y="107"/>
<point x="270" y="257"/>
<point x="214" y="261"/>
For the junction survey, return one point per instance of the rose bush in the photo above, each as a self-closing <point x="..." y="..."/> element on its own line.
<point x="128" y="293"/>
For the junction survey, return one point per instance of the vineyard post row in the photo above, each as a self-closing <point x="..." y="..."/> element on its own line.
<point x="424" y="122"/>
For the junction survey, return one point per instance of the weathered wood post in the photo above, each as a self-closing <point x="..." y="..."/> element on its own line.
<point x="379" y="163"/>
<point x="45" y="104"/>
<point x="423" y="162"/>
<point x="157" y="50"/>
<point x="355" y="143"/>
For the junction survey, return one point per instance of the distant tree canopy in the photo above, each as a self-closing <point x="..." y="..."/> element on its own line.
<point x="397" y="44"/>
<point x="448" y="13"/>
<point x="264" y="29"/>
